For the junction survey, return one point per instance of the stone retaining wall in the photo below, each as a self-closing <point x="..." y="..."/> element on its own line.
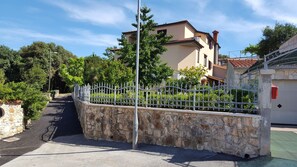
<point x="235" y="134"/>
<point x="11" y="121"/>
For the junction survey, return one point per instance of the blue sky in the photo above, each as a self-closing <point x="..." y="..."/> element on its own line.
<point x="87" y="26"/>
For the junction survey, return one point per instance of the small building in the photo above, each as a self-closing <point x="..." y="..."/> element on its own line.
<point x="236" y="67"/>
<point x="284" y="62"/>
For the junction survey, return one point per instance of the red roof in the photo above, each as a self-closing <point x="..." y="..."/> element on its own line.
<point x="246" y="63"/>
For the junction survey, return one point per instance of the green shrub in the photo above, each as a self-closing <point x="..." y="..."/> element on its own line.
<point x="177" y="101"/>
<point x="245" y="98"/>
<point x="33" y="99"/>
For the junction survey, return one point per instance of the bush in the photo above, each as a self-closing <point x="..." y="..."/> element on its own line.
<point x="33" y="99"/>
<point x="244" y="98"/>
<point x="177" y="101"/>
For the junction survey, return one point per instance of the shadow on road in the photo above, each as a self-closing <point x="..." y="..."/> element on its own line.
<point x="59" y="118"/>
<point x="64" y="119"/>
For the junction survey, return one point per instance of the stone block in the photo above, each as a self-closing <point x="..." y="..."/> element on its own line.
<point x="256" y="122"/>
<point x="169" y="140"/>
<point x="254" y="142"/>
<point x="11" y="110"/>
<point x="247" y="121"/>
<point x="157" y="133"/>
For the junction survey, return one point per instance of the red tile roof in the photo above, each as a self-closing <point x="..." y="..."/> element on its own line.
<point x="246" y="63"/>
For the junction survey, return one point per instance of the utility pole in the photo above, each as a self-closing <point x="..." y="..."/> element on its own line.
<point x="49" y="70"/>
<point x="135" y="121"/>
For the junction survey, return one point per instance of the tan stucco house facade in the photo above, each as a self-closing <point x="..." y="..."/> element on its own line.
<point x="188" y="46"/>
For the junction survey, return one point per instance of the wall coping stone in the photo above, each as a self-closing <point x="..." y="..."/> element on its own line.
<point x="181" y="111"/>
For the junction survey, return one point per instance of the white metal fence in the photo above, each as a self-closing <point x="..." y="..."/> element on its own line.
<point x="219" y="97"/>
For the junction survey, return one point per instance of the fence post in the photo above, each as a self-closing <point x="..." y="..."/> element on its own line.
<point x="115" y="95"/>
<point x="264" y="100"/>
<point x="80" y="92"/>
<point x="194" y="98"/>
<point x="76" y="91"/>
<point x="86" y="93"/>
<point x="146" y="97"/>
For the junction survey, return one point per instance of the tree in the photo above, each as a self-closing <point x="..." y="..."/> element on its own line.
<point x="2" y="77"/>
<point x="193" y="74"/>
<point x="108" y="71"/>
<point x="151" y="69"/>
<point x="110" y="52"/>
<point x="10" y="63"/>
<point x="38" y="53"/>
<point x="272" y="39"/>
<point x="36" y="76"/>
<point x="73" y="72"/>
<point x="222" y="56"/>
<point x="92" y="66"/>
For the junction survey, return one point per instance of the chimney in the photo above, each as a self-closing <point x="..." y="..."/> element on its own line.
<point x="215" y="35"/>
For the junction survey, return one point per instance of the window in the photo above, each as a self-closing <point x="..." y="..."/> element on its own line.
<point x="209" y="42"/>
<point x="162" y="32"/>
<point x="205" y="60"/>
<point x="1" y="112"/>
<point x="210" y="45"/>
<point x="209" y="65"/>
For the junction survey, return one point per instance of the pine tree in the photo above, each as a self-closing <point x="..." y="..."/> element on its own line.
<point x="151" y="70"/>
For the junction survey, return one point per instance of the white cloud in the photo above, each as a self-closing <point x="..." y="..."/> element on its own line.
<point x="131" y="6"/>
<point x="201" y="4"/>
<point x="284" y="10"/>
<point x="98" y="13"/>
<point x="89" y="38"/>
<point x="78" y="36"/>
<point x="225" y="23"/>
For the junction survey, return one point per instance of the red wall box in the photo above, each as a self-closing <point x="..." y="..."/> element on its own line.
<point x="274" y="91"/>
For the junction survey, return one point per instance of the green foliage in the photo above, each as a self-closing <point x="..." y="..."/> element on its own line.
<point x="2" y="76"/>
<point x="245" y="97"/>
<point x="110" y="53"/>
<point x="178" y="100"/>
<point x="35" y="76"/>
<point x="151" y="70"/>
<point x="92" y="66"/>
<point x="252" y="49"/>
<point x="272" y="39"/>
<point x="73" y="72"/>
<point x="108" y="71"/>
<point x="10" y="63"/>
<point x="223" y="56"/>
<point x="39" y="54"/>
<point x="193" y="75"/>
<point x="33" y="100"/>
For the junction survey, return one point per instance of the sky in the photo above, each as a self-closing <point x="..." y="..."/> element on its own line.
<point x="90" y="26"/>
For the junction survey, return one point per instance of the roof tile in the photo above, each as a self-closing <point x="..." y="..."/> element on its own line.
<point x="246" y="63"/>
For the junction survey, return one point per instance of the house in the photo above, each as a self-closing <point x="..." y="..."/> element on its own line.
<point x="284" y="62"/>
<point x="188" y="46"/>
<point x="236" y="67"/>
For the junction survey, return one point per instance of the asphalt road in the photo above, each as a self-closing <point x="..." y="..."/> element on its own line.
<point x="57" y="140"/>
<point x="59" y="119"/>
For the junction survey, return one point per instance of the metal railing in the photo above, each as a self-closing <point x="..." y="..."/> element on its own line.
<point x="221" y="97"/>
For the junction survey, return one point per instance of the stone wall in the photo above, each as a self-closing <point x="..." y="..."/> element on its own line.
<point x="11" y="122"/>
<point x="235" y="134"/>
